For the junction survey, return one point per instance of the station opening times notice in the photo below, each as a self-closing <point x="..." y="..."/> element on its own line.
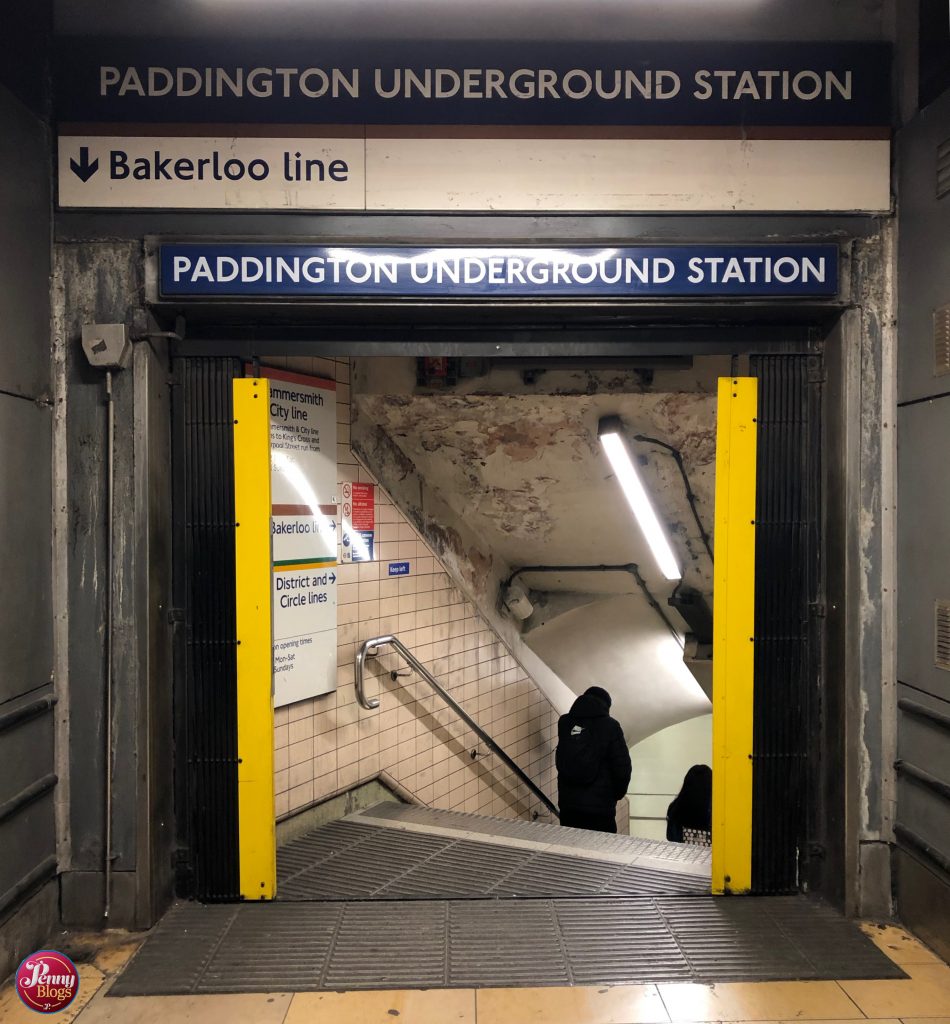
<point x="303" y="534"/>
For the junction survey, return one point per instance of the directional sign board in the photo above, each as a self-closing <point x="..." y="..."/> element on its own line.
<point x="304" y="529"/>
<point x="211" y="173"/>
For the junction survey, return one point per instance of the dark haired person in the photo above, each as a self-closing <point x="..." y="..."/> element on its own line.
<point x="593" y="763"/>
<point x="689" y="816"/>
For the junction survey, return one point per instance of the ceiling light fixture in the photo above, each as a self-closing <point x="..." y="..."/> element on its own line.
<point x="610" y="432"/>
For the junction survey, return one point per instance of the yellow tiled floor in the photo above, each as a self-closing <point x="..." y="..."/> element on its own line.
<point x="926" y="994"/>
<point x="899" y="945"/>
<point x="257" y="1008"/>
<point x="922" y="998"/>
<point x="433" y="1006"/>
<point x="620" y="1004"/>
<point x="768" y="1000"/>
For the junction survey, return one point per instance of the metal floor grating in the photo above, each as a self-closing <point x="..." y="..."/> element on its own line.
<point x="292" y="947"/>
<point x="400" y="896"/>
<point x="370" y="858"/>
<point x="530" y="833"/>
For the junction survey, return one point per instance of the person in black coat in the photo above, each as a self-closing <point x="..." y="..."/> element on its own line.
<point x="593" y="763"/>
<point x="689" y="816"/>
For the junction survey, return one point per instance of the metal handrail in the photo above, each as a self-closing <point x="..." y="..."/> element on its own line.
<point x="371" y="703"/>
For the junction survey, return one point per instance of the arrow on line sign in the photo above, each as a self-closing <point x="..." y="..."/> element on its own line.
<point x="84" y="168"/>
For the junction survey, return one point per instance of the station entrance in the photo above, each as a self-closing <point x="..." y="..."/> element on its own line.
<point x="389" y="845"/>
<point x="396" y="809"/>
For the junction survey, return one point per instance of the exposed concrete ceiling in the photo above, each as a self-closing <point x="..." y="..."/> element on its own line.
<point x="530" y="477"/>
<point x="522" y="467"/>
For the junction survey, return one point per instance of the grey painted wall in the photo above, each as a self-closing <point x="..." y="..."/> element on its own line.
<point x="27" y="781"/>
<point x="102" y="283"/>
<point x="923" y="890"/>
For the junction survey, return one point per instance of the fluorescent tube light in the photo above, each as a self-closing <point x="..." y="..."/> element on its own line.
<point x="609" y="430"/>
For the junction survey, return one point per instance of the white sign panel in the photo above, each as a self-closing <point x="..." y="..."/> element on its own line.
<point x="646" y="175"/>
<point x="211" y="173"/>
<point x="386" y="171"/>
<point x="304" y="532"/>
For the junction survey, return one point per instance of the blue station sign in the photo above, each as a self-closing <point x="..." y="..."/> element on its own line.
<point x="296" y="271"/>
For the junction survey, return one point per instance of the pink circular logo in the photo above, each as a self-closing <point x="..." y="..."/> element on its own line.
<point x="47" y="981"/>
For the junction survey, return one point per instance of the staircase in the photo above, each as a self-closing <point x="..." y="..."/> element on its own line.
<point x="401" y="896"/>
<point x="403" y="851"/>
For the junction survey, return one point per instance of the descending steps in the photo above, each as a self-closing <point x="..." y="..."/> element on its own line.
<point x="397" y="851"/>
<point x="400" y="896"/>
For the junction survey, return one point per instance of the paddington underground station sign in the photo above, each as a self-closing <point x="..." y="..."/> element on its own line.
<point x="492" y="125"/>
<point x="311" y="271"/>
<point x="402" y="82"/>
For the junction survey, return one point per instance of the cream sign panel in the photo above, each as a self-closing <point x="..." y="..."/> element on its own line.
<point x="475" y="174"/>
<point x="304" y="534"/>
<point x="211" y="173"/>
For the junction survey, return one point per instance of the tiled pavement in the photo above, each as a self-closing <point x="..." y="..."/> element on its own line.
<point x="921" y="998"/>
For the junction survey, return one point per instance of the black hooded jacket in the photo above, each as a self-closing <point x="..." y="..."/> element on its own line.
<point x="592" y="759"/>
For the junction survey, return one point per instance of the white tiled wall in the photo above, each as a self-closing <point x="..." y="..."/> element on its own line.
<point x="329" y="744"/>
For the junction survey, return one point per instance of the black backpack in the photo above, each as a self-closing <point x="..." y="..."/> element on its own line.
<point x="578" y="756"/>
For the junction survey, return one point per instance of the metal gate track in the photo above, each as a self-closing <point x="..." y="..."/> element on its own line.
<point x="314" y="946"/>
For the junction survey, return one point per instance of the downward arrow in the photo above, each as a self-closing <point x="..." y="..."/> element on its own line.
<point x="85" y="168"/>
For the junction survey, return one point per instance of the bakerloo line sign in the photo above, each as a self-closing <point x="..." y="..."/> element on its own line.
<point x="312" y="271"/>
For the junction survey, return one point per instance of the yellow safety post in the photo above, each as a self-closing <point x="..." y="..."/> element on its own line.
<point x="257" y="846"/>
<point x="733" y="631"/>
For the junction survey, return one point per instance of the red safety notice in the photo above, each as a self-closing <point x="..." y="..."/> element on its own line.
<point x="364" y="507"/>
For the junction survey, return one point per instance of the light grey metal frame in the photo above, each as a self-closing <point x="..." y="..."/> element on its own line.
<point x="371" y="703"/>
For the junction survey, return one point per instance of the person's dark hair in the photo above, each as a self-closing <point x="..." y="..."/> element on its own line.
<point x="692" y="807"/>
<point x="600" y="693"/>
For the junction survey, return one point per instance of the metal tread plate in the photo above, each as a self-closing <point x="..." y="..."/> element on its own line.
<point x="314" y="946"/>
<point x="507" y="831"/>
<point x="349" y="860"/>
